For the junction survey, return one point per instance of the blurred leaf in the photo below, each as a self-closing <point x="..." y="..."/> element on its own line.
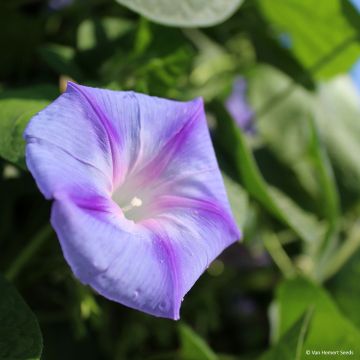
<point x="290" y="346"/>
<point x="326" y="179"/>
<point x="329" y="329"/>
<point x="345" y="288"/>
<point x="61" y="59"/>
<point x="337" y="115"/>
<point x="19" y="330"/>
<point x="194" y="347"/>
<point x="324" y="50"/>
<point x="351" y="13"/>
<point x="286" y="120"/>
<point x="20" y="36"/>
<point x="303" y="223"/>
<point x="277" y="52"/>
<point x="16" y="109"/>
<point x="238" y="198"/>
<point x="187" y="13"/>
<point x="277" y="203"/>
<point x="93" y="32"/>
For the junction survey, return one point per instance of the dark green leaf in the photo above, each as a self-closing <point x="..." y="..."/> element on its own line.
<point x="329" y="329"/>
<point x="344" y="283"/>
<point x="20" y="336"/>
<point x="16" y="109"/>
<point x="96" y="32"/>
<point x="193" y="347"/>
<point x="286" y="121"/>
<point x="61" y="59"/>
<point x="290" y="346"/>
<point x="277" y="203"/>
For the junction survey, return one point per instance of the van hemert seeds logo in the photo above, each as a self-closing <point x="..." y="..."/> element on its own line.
<point x="330" y="352"/>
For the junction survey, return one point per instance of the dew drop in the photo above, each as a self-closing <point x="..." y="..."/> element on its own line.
<point x="103" y="277"/>
<point x="162" y="261"/>
<point x="135" y="294"/>
<point x="189" y="252"/>
<point x="162" y="306"/>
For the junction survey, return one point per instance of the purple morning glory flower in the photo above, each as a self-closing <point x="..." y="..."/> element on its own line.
<point x="139" y="205"/>
<point x="238" y="107"/>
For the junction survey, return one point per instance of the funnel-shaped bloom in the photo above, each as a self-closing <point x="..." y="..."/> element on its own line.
<point x="139" y="203"/>
<point x="237" y="106"/>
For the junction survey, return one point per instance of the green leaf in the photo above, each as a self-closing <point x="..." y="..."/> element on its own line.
<point x="329" y="329"/>
<point x="326" y="177"/>
<point x="286" y="121"/>
<point x="290" y="346"/>
<point x="337" y="115"/>
<point x="322" y="49"/>
<point x="194" y="347"/>
<point x="187" y="13"/>
<point x="277" y="203"/>
<point x="20" y="336"/>
<point x="344" y="283"/>
<point x="61" y="59"/>
<point x="303" y="223"/>
<point x="94" y="32"/>
<point x="238" y="198"/>
<point x="16" y="109"/>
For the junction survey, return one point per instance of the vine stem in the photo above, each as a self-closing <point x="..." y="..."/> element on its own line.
<point x="278" y="254"/>
<point x="344" y="252"/>
<point x="28" y="252"/>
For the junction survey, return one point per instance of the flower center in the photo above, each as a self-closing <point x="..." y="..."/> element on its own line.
<point x="134" y="203"/>
<point x="132" y="200"/>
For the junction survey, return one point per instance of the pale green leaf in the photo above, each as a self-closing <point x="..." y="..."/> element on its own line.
<point x="187" y="13"/>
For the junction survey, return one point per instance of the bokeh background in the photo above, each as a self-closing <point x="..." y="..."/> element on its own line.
<point x="288" y="146"/>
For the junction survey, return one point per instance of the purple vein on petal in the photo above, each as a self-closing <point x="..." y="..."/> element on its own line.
<point x="33" y="140"/>
<point x="114" y="139"/>
<point x="163" y="245"/>
<point x="154" y="168"/>
<point x="171" y="202"/>
<point x="95" y="203"/>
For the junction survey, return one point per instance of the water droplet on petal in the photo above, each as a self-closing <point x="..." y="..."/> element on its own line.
<point x="189" y="252"/>
<point x="163" y="306"/>
<point x="135" y="294"/>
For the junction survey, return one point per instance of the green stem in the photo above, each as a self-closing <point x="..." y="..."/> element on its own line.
<point x="279" y="255"/>
<point x="344" y="253"/>
<point x="303" y="331"/>
<point x="28" y="252"/>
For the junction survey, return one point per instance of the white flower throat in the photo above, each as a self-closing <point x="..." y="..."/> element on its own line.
<point x="134" y="203"/>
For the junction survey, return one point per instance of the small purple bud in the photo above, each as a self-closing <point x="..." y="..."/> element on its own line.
<point x="59" y="4"/>
<point x="238" y="107"/>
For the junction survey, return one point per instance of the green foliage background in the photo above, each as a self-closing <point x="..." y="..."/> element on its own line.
<point x="292" y="286"/>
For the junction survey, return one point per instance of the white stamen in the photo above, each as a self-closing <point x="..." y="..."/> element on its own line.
<point x="135" y="202"/>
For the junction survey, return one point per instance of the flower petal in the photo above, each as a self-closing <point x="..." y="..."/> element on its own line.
<point x="148" y="266"/>
<point x="81" y="138"/>
<point x="119" y="259"/>
<point x="183" y="161"/>
<point x="195" y="233"/>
